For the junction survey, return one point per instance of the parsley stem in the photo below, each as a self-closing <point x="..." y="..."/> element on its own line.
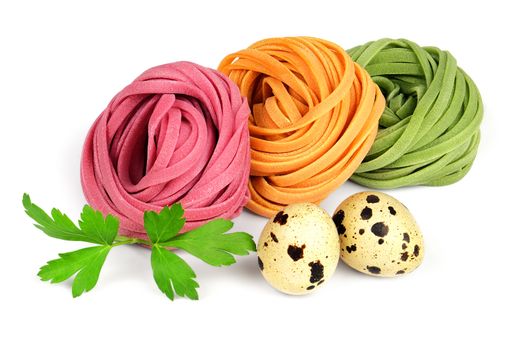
<point x="121" y="240"/>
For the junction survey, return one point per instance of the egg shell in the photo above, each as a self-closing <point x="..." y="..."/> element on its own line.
<point x="298" y="249"/>
<point x="378" y="235"/>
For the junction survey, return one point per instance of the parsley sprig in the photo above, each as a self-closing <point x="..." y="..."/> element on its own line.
<point x="209" y="242"/>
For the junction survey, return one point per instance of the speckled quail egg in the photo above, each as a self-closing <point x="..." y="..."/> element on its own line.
<point x="298" y="249"/>
<point x="378" y="235"/>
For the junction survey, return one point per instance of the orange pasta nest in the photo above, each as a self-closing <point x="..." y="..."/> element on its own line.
<point x="314" y="117"/>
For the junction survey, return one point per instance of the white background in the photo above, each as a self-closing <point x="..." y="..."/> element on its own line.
<point x="61" y="63"/>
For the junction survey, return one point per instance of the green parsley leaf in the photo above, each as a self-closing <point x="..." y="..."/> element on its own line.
<point x="172" y="274"/>
<point x="164" y="225"/>
<point x="93" y="227"/>
<point x="57" y="226"/>
<point x="211" y="244"/>
<point x="93" y="224"/>
<point x="85" y="263"/>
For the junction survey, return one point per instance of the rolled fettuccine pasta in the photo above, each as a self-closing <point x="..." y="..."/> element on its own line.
<point x="429" y="133"/>
<point x="178" y="133"/>
<point x="314" y="117"/>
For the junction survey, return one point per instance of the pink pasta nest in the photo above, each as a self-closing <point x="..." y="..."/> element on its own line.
<point x="178" y="133"/>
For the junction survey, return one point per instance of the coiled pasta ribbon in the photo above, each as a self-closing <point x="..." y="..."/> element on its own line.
<point x="177" y="133"/>
<point x="429" y="132"/>
<point x="314" y="117"/>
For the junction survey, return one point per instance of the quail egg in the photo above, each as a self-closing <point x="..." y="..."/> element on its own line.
<point x="298" y="249"/>
<point x="378" y="235"/>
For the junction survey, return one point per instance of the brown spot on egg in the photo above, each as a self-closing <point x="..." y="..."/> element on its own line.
<point x="379" y="229"/>
<point x="274" y="237"/>
<point x="404" y="256"/>
<point x="361" y="231"/>
<point x="316" y="271"/>
<point x="338" y="220"/>
<point x="400" y="272"/>
<point x="372" y="198"/>
<point x="381" y="241"/>
<point x="416" y="250"/>
<point x="406" y="237"/>
<point x="281" y="218"/>
<point x="374" y="269"/>
<point x="392" y="210"/>
<point x="404" y="246"/>
<point x="266" y="244"/>
<point x="310" y="287"/>
<point x="366" y="213"/>
<point x="321" y="281"/>
<point x="261" y="265"/>
<point x="351" y="249"/>
<point x="295" y="252"/>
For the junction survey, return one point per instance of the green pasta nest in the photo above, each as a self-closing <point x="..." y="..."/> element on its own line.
<point x="429" y="132"/>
